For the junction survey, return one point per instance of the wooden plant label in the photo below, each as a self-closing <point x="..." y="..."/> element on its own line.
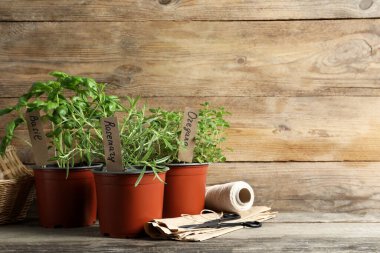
<point x="37" y="138"/>
<point x="112" y="144"/>
<point x="189" y="130"/>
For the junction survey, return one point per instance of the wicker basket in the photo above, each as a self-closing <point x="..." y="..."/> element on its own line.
<point x="16" y="188"/>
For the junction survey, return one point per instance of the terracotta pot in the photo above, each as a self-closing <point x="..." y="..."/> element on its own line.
<point x="65" y="202"/>
<point x="185" y="189"/>
<point x="123" y="208"/>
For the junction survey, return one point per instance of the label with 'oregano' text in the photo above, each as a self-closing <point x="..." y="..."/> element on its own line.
<point x="189" y="130"/>
<point x="112" y="144"/>
<point x="37" y="138"/>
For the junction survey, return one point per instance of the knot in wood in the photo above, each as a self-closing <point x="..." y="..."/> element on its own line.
<point x="164" y="2"/>
<point x="365" y="4"/>
<point x="241" y="60"/>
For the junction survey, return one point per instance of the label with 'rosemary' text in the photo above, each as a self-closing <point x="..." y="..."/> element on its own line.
<point x="112" y="144"/>
<point x="37" y="138"/>
<point x="189" y="130"/>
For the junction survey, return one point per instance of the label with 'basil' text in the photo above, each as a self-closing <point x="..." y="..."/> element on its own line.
<point x="37" y="138"/>
<point x="112" y="144"/>
<point x="188" y="132"/>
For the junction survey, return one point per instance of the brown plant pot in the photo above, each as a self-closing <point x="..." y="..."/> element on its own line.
<point x="123" y="208"/>
<point x="185" y="189"/>
<point x="65" y="202"/>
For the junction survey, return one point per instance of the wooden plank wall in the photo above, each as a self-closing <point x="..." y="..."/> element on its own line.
<point x="300" y="77"/>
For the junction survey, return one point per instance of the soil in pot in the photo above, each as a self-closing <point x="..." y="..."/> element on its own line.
<point x="123" y="209"/>
<point x="185" y="189"/>
<point x="65" y="202"/>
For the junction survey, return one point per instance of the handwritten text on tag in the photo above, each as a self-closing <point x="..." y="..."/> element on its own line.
<point x="189" y="130"/>
<point x="112" y="144"/>
<point x="37" y="138"/>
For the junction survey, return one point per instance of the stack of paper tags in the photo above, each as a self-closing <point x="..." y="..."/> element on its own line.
<point x="204" y="226"/>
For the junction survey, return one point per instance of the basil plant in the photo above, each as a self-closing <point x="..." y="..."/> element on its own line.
<point x="72" y="107"/>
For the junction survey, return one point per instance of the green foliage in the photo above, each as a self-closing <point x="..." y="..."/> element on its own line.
<point x="210" y="134"/>
<point x="167" y="123"/>
<point x="150" y="139"/>
<point x="142" y="138"/>
<point x="73" y="106"/>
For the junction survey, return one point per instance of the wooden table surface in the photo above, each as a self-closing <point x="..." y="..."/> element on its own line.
<point x="289" y="234"/>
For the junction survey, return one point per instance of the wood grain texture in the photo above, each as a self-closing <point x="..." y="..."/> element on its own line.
<point x="272" y="237"/>
<point x="298" y="90"/>
<point x="285" y="129"/>
<point x="203" y="59"/>
<point x="122" y="10"/>
<point x="350" y="188"/>
<point x="325" y="217"/>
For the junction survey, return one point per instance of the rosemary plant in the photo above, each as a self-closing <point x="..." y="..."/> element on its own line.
<point x="143" y="141"/>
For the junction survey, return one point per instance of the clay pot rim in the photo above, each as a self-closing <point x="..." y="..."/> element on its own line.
<point x="94" y="166"/>
<point x="185" y="164"/>
<point x="128" y="172"/>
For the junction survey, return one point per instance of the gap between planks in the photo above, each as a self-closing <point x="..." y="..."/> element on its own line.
<point x="183" y="20"/>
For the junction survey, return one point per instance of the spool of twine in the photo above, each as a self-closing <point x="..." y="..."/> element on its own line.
<point x="232" y="197"/>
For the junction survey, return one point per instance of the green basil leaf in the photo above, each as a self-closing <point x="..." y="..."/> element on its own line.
<point x="58" y="74"/>
<point x="9" y="133"/>
<point x="51" y="105"/>
<point x="62" y="111"/>
<point x="6" y="110"/>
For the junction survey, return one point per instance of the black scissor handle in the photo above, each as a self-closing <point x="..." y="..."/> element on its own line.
<point x="252" y="224"/>
<point x="230" y="216"/>
<point x="247" y="224"/>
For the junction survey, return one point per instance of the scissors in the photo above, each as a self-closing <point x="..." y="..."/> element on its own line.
<point x="233" y="216"/>
<point x="247" y="224"/>
<point x="219" y="223"/>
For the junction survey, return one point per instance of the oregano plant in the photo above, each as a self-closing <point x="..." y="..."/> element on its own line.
<point x="72" y="106"/>
<point x="210" y="135"/>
